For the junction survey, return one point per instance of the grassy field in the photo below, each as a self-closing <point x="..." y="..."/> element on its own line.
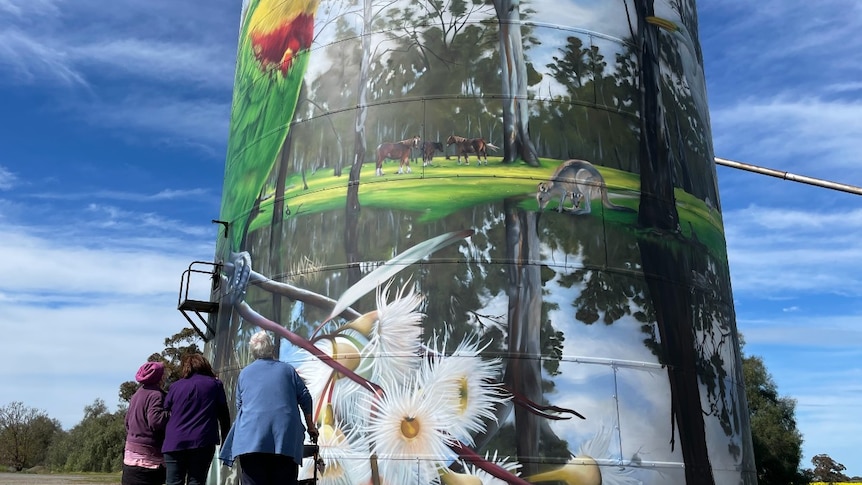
<point x="24" y="478"/>
<point x="445" y="187"/>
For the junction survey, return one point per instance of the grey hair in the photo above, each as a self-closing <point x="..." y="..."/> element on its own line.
<point x="260" y="345"/>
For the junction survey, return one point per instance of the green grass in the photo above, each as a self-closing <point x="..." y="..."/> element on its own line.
<point x="445" y="188"/>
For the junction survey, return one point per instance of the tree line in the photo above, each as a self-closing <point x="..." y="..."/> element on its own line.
<point x="30" y="438"/>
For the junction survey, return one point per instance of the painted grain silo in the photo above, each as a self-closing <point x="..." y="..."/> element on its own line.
<point x="488" y="236"/>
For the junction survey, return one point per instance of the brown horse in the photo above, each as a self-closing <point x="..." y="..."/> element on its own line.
<point x="429" y="148"/>
<point x="465" y="146"/>
<point x="399" y="150"/>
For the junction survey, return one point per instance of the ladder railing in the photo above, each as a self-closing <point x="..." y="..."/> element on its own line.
<point x="188" y="306"/>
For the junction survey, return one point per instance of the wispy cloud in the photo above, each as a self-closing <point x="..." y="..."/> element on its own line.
<point x="804" y="330"/>
<point x="844" y="87"/>
<point x="780" y="30"/>
<point x="76" y="41"/>
<point x="793" y="249"/>
<point x="22" y="8"/>
<point x="775" y="251"/>
<point x="784" y="97"/>
<point x="7" y="178"/>
<point x="43" y="264"/>
<point x="157" y="60"/>
<point x="201" y="123"/>
<point x="125" y="220"/>
<point x="167" y="194"/>
<point x="84" y="46"/>
<point x="28" y="59"/>
<point x="59" y="343"/>
<point x="809" y="134"/>
<point x="70" y="292"/>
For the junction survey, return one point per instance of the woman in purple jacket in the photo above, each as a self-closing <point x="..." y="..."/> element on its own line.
<point x="145" y="429"/>
<point x="199" y="411"/>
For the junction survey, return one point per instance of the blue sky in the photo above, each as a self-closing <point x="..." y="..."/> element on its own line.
<point x="114" y="126"/>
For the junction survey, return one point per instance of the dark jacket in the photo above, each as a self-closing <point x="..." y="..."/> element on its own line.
<point x="145" y="421"/>
<point x="198" y="408"/>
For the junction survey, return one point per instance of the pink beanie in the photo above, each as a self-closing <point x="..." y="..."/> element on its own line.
<point x="150" y="373"/>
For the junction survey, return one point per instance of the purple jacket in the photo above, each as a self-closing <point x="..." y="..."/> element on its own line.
<point x="198" y="408"/>
<point x="145" y="421"/>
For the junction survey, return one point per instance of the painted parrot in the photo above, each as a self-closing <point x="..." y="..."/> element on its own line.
<point x="272" y="56"/>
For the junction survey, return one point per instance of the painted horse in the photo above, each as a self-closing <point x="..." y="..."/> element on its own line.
<point x="399" y="150"/>
<point x="429" y="148"/>
<point x="465" y="146"/>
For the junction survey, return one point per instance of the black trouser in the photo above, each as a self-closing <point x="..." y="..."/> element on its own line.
<point x="268" y="469"/>
<point x="189" y="466"/>
<point x="138" y="475"/>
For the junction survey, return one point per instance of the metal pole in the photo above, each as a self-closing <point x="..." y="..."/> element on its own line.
<point x="789" y="176"/>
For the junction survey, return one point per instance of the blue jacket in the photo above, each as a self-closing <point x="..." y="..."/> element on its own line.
<point x="198" y="408"/>
<point x="269" y="395"/>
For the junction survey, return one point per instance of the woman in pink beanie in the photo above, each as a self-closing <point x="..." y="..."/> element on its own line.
<point x="143" y="463"/>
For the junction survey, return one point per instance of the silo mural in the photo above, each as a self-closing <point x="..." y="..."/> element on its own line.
<point x="488" y="235"/>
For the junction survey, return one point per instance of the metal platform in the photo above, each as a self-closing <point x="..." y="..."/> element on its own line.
<point x="189" y="307"/>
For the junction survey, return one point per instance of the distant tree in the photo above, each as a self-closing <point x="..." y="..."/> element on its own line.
<point x="58" y="451"/>
<point x="25" y="434"/>
<point x="93" y="445"/>
<point x="777" y="442"/>
<point x="828" y="470"/>
<point x="177" y="345"/>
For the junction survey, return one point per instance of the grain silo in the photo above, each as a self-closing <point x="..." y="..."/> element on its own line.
<point x="489" y="237"/>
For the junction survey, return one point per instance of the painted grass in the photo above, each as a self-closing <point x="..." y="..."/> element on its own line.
<point x="445" y="188"/>
<point x="435" y="191"/>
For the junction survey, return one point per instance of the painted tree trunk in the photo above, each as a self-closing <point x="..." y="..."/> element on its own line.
<point x="524" y="376"/>
<point x="668" y="273"/>
<point x="516" y="135"/>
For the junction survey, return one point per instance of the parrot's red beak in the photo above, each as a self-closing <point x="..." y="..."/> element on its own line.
<point x="277" y="48"/>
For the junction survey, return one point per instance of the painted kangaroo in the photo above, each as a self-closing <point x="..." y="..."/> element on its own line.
<point x="579" y="180"/>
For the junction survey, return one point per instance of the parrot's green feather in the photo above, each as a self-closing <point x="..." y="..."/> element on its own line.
<point x="263" y="107"/>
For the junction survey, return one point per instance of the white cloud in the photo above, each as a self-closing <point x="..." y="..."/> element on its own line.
<point x="785" y="29"/>
<point x="775" y="252"/>
<point x="167" y="62"/>
<point x="22" y="8"/>
<point x="844" y="87"/>
<point x="7" y="178"/>
<point x="85" y="46"/>
<point x="28" y="59"/>
<point x="59" y="267"/>
<point x="84" y="309"/>
<point x="47" y="41"/>
<point x="808" y="135"/>
<point x="812" y="331"/>
<point x="166" y="194"/>
<point x="71" y="355"/>
<point x="175" y="121"/>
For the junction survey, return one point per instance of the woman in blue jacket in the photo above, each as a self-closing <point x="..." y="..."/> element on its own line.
<point x="267" y="434"/>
